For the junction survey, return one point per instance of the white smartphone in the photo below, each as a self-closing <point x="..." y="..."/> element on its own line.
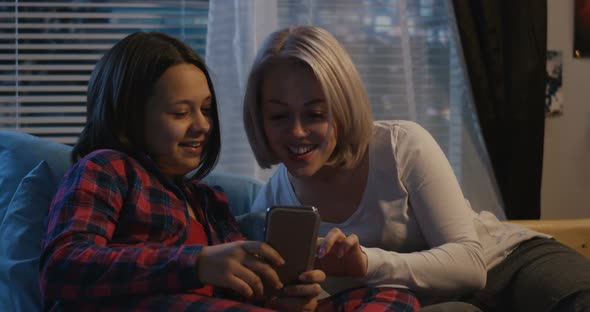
<point x="293" y="232"/>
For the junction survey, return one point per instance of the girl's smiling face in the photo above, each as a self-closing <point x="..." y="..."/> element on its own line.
<point x="295" y="117"/>
<point x="178" y="120"/>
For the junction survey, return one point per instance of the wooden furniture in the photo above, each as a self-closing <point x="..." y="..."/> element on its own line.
<point x="574" y="233"/>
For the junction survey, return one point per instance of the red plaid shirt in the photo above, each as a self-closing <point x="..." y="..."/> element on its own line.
<point x="116" y="234"/>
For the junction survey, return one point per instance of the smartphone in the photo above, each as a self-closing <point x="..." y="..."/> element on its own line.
<point x="293" y="232"/>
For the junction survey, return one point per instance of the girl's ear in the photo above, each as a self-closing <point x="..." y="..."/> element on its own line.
<point x="123" y="139"/>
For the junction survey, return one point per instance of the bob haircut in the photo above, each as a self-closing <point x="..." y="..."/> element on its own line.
<point x="346" y="98"/>
<point x="120" y="86"/>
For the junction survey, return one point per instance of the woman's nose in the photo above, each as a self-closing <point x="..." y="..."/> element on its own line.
<point x="298" y="128"/>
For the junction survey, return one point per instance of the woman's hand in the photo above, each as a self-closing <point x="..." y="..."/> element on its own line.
<point x="300" y="297"/>
<point x="243" y="266"/>
<point x="341" y="255"/>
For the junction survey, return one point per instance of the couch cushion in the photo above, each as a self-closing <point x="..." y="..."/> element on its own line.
<point x="21" y="152"/>
<point x="30" y="170"/>
<point x="252" y="225"/>
<point x="241" y="190"/>
<point x="20" y="240"/>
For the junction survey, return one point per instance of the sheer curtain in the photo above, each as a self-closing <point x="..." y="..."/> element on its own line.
<point x="236" y="29"/>
<point x="407" y="52"/>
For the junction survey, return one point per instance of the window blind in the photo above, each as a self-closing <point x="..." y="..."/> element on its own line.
<point x="49" y="48"/>
<point x="404" y="52"/>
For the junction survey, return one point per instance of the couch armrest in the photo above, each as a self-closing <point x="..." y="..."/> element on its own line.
<point x="574" y="233"/>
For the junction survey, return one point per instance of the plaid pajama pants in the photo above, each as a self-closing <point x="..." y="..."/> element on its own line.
<point x="365" y="299"/>
<point x="370" y="299"/>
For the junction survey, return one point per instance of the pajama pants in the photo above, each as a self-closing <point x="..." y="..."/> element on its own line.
<point x="366" y="299"/>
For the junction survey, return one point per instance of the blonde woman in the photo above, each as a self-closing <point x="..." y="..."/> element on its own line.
<point x="393" y="214"/>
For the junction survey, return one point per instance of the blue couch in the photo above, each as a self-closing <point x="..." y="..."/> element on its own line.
<point x="30" y="170"/>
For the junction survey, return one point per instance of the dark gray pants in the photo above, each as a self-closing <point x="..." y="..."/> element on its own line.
<point x="540" y="275"/>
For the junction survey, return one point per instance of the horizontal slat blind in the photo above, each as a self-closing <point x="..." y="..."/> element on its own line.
<point x="49" y="48"/>
<point x="403" y="51"/>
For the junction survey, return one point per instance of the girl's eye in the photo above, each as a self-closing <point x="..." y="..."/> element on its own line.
<point x="275" y="117"/>
<point x="180" y="114"/>
<point x="206" y="111"/>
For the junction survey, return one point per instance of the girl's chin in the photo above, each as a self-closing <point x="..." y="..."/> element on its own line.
<point x="187" y="168"/>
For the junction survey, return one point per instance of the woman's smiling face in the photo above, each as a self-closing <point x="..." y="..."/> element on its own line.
<point x="295" y="116"/>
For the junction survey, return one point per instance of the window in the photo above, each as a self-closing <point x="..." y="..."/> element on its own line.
<point x="403" y="52"/>
<point x="407" y="52"/>
<point x="49" y="48"/>
<point x="408" y="55"/>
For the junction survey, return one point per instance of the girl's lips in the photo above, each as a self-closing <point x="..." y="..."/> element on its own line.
<point x="191" y="144"/>
<point x="192" y="148"/>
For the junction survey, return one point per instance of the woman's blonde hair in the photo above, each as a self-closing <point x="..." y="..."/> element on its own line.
<point x="346" y="98"/>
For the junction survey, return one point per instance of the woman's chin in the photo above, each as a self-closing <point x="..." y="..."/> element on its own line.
<point x="301" y="172"/>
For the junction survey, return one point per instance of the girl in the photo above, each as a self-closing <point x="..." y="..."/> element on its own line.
<point x="393" y="214"/>
<point x="127" y="229"/>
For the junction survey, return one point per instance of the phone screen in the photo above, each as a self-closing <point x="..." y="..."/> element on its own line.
<point x="293" y="232"/>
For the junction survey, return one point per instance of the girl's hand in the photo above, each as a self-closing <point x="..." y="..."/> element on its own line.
<point x="341" y="255"/>
<point x="300" y="297"/>
<point x="243" y="266"/>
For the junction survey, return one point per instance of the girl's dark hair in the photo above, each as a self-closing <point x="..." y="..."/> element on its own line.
<point x="118" y="92"/>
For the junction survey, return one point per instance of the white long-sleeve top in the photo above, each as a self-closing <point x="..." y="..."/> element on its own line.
<point x="414" y="224"/>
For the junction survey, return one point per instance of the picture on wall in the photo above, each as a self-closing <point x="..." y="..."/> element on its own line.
<point x="582" y="28"/>
<point x="553" y="88"/>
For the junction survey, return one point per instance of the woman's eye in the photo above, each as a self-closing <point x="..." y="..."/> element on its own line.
<point x="180" y="114"/>
<point x="318" y="115"/>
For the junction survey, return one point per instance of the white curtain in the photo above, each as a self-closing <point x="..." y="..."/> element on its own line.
<point x="236" y="29"/>
<point x="407" y="53"/>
